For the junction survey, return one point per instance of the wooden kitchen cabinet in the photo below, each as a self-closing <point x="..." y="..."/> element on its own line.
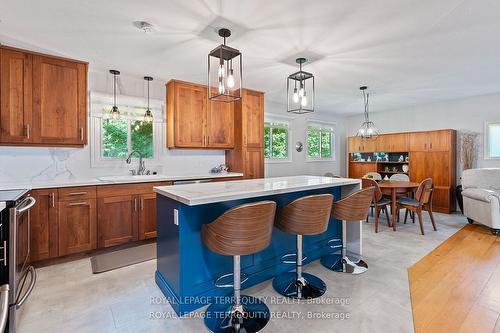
<point x="359" y="169"/>
<point x="43" y="99"/>
<point x="252" y="108"/>
<point x="356" y="144"/>
<point x="117" y="216"/>
<point x="432" y="141"/>
<point x="254" y="163"/>
<point x="193" y="121"/>
<point x="44" y="225"/>
<point x="15" y="100"/>
<point x="392" y="143"/>
<point x="77" y="226"/>
<point x="147" y="216"/>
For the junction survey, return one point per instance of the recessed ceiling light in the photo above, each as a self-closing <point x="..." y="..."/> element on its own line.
<point x="146" y="27"/>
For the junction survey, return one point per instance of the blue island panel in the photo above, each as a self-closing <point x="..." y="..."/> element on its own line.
<point x="187" y="269"/>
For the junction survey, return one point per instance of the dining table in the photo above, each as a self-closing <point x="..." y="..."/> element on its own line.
<point x="393" y="188"/>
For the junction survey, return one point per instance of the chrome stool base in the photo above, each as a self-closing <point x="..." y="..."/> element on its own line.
<point x="343" y="264"/>
<point x="308" y="287"/>
<point x="251" y="317"/>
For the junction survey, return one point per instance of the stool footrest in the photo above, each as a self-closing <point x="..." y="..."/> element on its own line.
<point x="218" y="282"/>
<point x="287" y="258"/>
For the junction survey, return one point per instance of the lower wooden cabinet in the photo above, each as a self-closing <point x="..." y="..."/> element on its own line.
<point x="147" y="216"/>
<point x="77" y="226"/>
<point x="254" y="163"/>
<point x="44" y="225"/>
<point x="117" y="218"/>
<point x="359" y="169"/>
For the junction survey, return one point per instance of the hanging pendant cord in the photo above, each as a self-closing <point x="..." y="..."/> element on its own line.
<point x="114" y="88"/>
<point x="148" y="95"/>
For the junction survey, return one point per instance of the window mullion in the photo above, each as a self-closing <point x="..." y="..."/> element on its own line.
<point x="271" y="142"/>
<point x="129" y="136"/>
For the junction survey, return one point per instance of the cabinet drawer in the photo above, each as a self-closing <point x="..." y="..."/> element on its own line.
<point x="128" y="189"/>
<point x="77" y="193"/>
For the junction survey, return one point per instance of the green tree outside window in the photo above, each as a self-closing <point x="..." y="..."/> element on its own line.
<point x="115" y="138"/>
<point x="275" y="141"/>
<point x="319" y="143"/>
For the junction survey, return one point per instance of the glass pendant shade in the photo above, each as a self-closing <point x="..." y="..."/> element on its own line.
<point x="300" y="91"/>
<point x="224" y="72"/>
<point x="148" y="115"/>
<point x="115" y="112"/>
<point x="367" y="129"/>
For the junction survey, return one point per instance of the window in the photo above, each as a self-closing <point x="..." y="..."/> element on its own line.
<point x="320" y="141"/>
<point x="113" y="140"/>
<point x="492" y="142"/>
<point x="276" y="141"/>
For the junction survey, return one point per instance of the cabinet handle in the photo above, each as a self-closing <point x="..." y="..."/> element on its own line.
<point x="53" y="196"/>
<point x="425" y="145"/>
<point x="77" y="204"/>
<point x="135" y="204"/>
<point x="142" y="203"/>
<point x="431" y="145"/>
<point x="27" y="131"/>
<point x="78" y="193"/>
<point x="81" y="133"/>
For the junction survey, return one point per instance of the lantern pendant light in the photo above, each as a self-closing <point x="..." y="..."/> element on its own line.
<point x="224" y="71"/>
<point x="148" y="115"/>
<point x="300" y="90"/>
<point x="115" y="112"/>
<point x="367" y="129"/>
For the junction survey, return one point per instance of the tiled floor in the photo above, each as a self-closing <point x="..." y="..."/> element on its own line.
<point x="69" y="298"/>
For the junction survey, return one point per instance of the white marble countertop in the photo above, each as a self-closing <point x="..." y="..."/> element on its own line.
<point x="204" y="193"/>
<point x="122" y="180"/>
<point x="2" y="205"/>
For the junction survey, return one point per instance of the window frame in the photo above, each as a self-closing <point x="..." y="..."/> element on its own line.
<point x="98" y="101"/>
<point x="487" y="155"/>
<point x="332" y="126"/>
<point x="287" y="121"/>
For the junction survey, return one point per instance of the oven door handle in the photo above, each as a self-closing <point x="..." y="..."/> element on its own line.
<point x="4" y="306"/>
<point x="25" y="205"/>
<point x="31" y="270"/>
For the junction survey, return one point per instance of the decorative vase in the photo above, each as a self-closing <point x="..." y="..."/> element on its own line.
<point x="405" y="168"/>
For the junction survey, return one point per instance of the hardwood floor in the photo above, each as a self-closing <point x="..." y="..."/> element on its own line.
<point x="456" y="287"/>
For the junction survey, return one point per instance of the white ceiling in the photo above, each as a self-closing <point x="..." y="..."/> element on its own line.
<point x="407" y="51"/>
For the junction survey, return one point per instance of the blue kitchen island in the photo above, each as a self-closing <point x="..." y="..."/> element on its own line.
<point x="187" y="269"/>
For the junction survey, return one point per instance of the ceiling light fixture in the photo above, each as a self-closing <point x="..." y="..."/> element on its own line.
<point x="148" y="115"/>
<point x="115" y="112"/>
<point x="224" y="71"/>
<point x="300" y="90"/>
<point x="367" y="129"/>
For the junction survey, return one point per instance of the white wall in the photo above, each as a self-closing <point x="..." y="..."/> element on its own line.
<point x="463" y="115"/>
<point x="298" y="164"/>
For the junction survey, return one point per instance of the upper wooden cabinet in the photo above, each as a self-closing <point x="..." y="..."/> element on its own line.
<point x="431" y="141"/>
<point x="195" y="122"/>
<point x="43" y="99"/>
<point x="392" y="143"/>
<point x="252" y="109"/>
<point x="16" y="102"/>
<point x="357" y="144"/>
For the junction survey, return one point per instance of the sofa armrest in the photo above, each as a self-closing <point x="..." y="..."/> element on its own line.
<point x="481" y="194"/>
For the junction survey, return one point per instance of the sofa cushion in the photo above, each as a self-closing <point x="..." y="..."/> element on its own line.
<point x="488" y="179"/>
<point x="481" y="194"/>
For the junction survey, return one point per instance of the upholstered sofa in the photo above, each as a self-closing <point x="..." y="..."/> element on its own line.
<point x="481" y="194"/>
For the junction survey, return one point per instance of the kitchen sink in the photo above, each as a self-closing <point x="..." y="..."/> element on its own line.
<point x="131" y="178"/>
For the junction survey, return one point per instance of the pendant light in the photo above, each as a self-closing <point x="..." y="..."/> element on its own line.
<point x="148" y="115"/>
<point x="300" y="90"/>
<point x="224" y="71"/>
<point x="367" y="129"/>
<point x="115" y="112"/>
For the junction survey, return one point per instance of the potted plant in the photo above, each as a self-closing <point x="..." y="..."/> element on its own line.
<point x="468" y="154"/>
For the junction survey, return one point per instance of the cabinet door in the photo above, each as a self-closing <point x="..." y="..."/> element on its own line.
<point x="190" y="110"/>
<point x="147" y="216"/>
<point x="369" y="145"/>
<point x="220" y="125"/>
<point x="359" y="169"/>
<point x="439" y="140"/>
<point x="383" y="143"/>
<point x="77" y="226"/>
<point x="15" y="99"/>
<point x="44" y="225"/>
<point x="419" y="141"/>
<point x="253" y="118"/>
<point x="59" y="101"/>
<point x="393" y="143"/>
<point x="254" y="163"/>
<point x="117" y="218"/>
<point x="443" y="200"/>
<point x="354" y="144"/>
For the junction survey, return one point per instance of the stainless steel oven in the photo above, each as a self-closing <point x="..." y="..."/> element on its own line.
<point x="16" y="253"/>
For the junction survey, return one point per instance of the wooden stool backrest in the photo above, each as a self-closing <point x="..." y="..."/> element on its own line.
<point x="306" y="216"/>
<point x="353" y="207"/>
<point x="242" y="230"/>
<point x="377" y="193"/>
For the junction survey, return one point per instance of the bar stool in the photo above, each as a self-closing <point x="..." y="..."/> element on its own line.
<point x="243" y="230"/>
<point x="352" y="208"/>
<point x="305" y="216"/>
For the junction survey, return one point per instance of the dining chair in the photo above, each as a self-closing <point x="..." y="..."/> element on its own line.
<point x="400" y="176"/>
<point x="422" y="201"/>
<point x="379" y="202"/>
<point x="373" y="175"/>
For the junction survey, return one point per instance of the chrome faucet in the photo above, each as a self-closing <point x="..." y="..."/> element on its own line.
<point x="142" y="165"/>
